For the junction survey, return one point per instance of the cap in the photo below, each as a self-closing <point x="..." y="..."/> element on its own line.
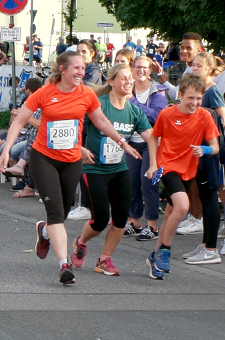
<point x="99" y="37"/>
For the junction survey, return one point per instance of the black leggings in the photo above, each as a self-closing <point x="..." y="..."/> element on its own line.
<point x="56" y="183"/>
<point x="105" y="189"/>
<point x="210" y="209"/>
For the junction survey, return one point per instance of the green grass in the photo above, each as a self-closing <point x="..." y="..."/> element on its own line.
<point x="4" y="119"/>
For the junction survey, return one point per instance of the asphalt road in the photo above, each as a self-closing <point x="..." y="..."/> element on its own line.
<point x="188" y="304"/>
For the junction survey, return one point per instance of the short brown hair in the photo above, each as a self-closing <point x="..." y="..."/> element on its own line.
<point x="191" y="80"/>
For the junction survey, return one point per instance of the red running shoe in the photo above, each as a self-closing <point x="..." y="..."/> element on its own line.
<point x="79" y="251"/>
<point x="42" y="245"/>
<point x="107" y="267"/>
<point x="66" y="275"/>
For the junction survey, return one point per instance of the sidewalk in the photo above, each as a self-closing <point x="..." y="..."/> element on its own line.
<point x="187" y="304"/>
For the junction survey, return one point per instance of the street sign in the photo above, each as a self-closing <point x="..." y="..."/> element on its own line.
<point x="10" y="34"/>
<point x="11" y="7"/>
<point x="105" y="24"/>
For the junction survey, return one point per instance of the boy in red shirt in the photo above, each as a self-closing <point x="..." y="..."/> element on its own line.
<point x="182" y="129"/>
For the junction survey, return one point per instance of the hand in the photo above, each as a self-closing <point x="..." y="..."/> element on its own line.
<point x="131" y="151"/>
<point x="197" y="150"/>
<point x="128" y="96"/>
<point x="164" y="77"/>
<point x="151" y="171"/>
<point x="14" y="112"/>
<point x="4" y="160"/>
<point x="156" y="67"/>
<point x="87" y="156"/>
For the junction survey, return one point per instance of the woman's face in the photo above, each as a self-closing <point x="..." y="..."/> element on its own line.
<point x="141" y="70"/>
<point x="200" y="67"/>
<point x="73" y="75"/>
<point x="123" y="82"/>
<point x="84" y="50"/>
<point x="121" y="59"/>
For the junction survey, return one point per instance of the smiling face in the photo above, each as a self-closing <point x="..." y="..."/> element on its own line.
<point x="121" y="59"/>
<point x="189" y="49"/>
<point x="73" y="75"/>
<point x="201" y="67"/>
<point x="123" y="82"/>
<point x="191" y="99"/>
<point x="85" y="51"/>
<point x="141" y="70"/>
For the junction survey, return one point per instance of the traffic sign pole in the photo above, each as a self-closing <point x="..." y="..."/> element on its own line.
<point x="31" y="34"/>
<point x="13" y="67"/>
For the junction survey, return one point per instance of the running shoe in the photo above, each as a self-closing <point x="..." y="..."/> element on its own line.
<point x="131" y="230"/>
<point x="79" y="251"/>
<point x="222" y="250"/>
<point x="162" y="206"/>
<point x="42" y="245"/>
<point x="190" y="226"/>
<point x="204" y="257"/>
<point x="66" y="275"/>
<point x="19" y="186"/>
<point x="194" y="252"/>
<point x="107" y="267"/>
<point x="148" y="233"/>
<point x="79" y="213"/>
<point x="162" y="260"/>
<point x="154" y="273"/>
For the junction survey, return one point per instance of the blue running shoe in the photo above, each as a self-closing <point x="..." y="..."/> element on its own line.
<point x="154" y="273"/>
<point x="162" y="260"/>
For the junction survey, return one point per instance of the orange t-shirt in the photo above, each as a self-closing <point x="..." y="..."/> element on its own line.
<point x="61" y="109"/>
<point x="178" y="131"/>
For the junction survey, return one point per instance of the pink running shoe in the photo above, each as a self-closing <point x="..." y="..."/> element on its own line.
<point x="66" y="275"/>
<point x="107" y="267"/>
<point x="79" y="251"/>
<point x="42" y="245"/>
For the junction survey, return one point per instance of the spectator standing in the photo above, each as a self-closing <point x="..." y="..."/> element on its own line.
<point x="101" y="49"/>
<point x="129" y="45"/>
<point x="139" y="48"/>
<point x="61" y="47"/>
<point x="108" y="53"/>
<point x="37" y="51"/>
<point x="26" y="51"/>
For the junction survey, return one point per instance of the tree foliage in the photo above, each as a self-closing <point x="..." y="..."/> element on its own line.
<point x="70" y="14"/>
<point x="172" y="18"/>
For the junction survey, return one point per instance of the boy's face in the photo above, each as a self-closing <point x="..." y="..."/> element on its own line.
<point x="189" y="49"/>
<point x="190" y="100"/>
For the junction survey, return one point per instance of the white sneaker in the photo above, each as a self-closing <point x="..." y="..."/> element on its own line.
<point x="79" y="213"/>
<point x="222" y="250"/>
<point x="204" y="257"/>
<point x="193" y="252"/>
<point x="191" y="226"/>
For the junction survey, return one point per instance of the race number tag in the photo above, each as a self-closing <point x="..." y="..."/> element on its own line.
<point x="26" y="56"/>
<point x="62" y="134"/>
<point x="150" y="51"/>
<point x="110" y="151"/>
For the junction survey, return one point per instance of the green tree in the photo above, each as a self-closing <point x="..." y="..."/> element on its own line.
<point x="70" y="14"/>
<point x="172" y="18"/>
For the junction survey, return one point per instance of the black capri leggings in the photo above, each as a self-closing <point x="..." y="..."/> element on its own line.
<point x="56" y="183"/>
<point x="108" y="189"/>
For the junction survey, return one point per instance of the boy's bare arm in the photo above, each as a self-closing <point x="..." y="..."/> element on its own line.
<point x="153" y="145"/>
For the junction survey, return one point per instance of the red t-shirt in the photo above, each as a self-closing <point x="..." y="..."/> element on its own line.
<point x="61" y="109"/>
<point x="109" y="50"/>
<point x="178" y="131"/>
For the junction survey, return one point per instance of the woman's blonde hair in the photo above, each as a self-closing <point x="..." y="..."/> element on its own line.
<point x="127" y="54"/>
<point x="64" y="60"/>
<point x="143" y="57"/>
<point x="211" y="61"/>
<point x="100" y="90"/>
